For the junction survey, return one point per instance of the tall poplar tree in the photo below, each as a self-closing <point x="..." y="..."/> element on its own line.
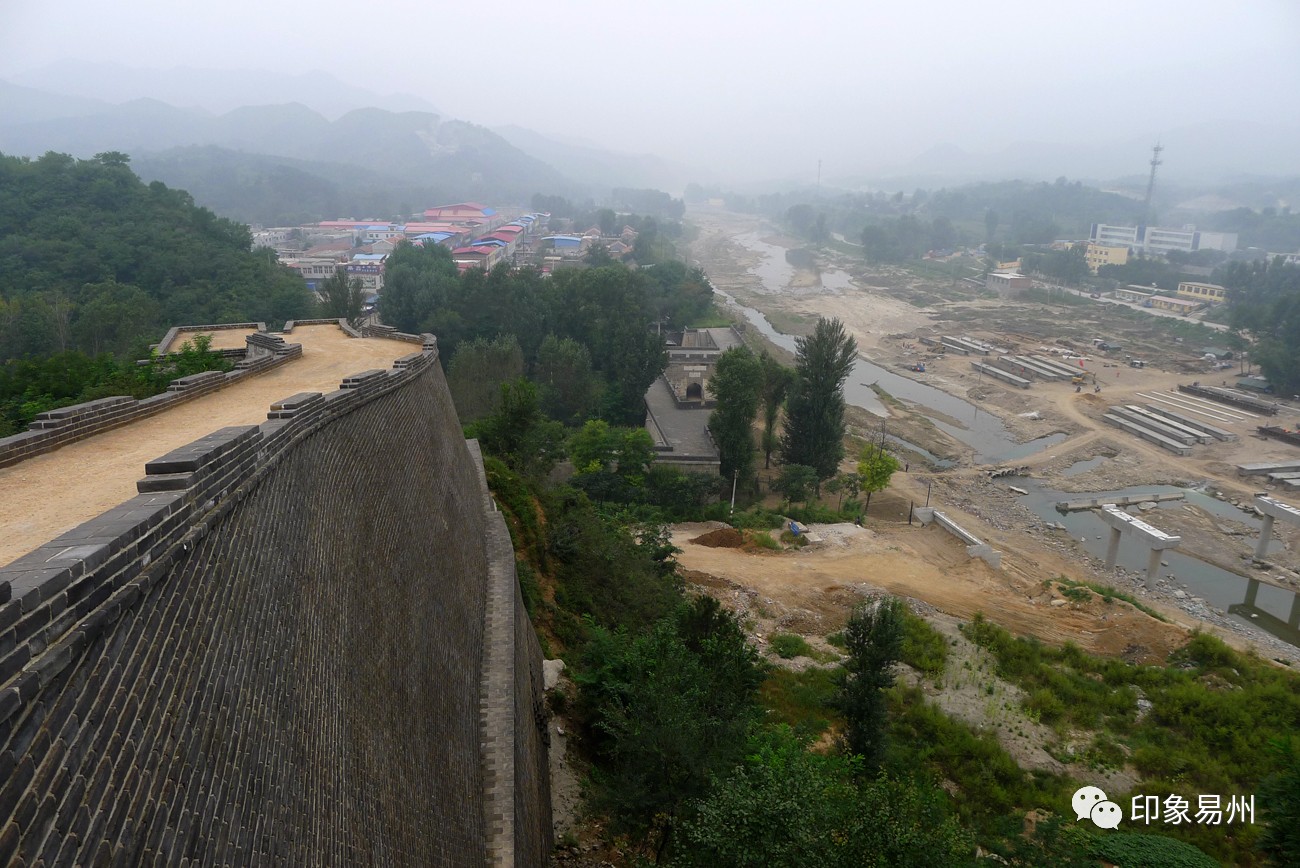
<point x="776" y="385"/>
<point x="736" y="383"/>
<point x="814" y="425"/>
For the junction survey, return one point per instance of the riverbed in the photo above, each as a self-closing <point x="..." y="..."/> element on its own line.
<point x="964" y="421"/>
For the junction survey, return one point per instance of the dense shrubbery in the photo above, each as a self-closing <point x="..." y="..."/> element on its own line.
<point x="32" y="386"/>
<point x="923" y="648"/>
<point x="788" y="806"/>
<point x="1214" y="714"/>
<point x="668" y="708"/>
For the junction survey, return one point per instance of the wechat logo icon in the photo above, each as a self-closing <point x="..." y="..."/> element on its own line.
<point x="1091" y="803"/>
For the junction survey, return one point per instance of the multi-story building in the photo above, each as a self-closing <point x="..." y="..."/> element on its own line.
<point x="1161" y="239"/>
<point x="314" y="270"/>
<point x="1123" y="236"/>
<point x="1098" y="255"/>
<point x="369" y="269"/>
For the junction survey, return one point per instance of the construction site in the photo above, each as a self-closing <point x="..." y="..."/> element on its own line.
<point x="1083" y="441"/>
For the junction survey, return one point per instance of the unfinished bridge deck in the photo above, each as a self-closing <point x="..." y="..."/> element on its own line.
<point x="48" y="494"/>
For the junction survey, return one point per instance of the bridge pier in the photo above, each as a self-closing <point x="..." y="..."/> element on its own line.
<point x="1272" y="509"/>
<point x="1112" y="550"/>
<point x="1157" y="540"/>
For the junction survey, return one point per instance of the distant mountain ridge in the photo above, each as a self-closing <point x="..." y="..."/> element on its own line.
<point x="419" y="150"/>
<point x="214" y="90"/>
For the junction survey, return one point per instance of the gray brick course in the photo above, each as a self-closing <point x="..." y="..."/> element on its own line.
<point x="281" y="652"/>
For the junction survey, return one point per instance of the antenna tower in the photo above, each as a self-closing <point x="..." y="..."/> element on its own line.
<point x="1151" y="183"/>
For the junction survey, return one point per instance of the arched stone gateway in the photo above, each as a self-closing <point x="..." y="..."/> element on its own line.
<point x="695" y="392"/>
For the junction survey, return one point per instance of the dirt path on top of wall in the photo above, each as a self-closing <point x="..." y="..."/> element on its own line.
<point x="49" y="494"/>
<point x="222" y="339"/>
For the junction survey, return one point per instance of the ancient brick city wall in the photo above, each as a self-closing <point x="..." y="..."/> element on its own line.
<point x="279" y="653"/>
<point x="55" y="428"/>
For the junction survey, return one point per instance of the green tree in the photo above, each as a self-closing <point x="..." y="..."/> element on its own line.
<point x="520" y="433"/>
<point x="594" y="447"/>
<point x="677" y="295"/>
<point x="607" y="310"/>
<point x="668" y="709"/>
<point x="814" y="426"/>
<point x="679" y="493"/>
<point x="342" y="298"/>
<point x="569" y="387"/>
<point x="736" y="383"/>
<point x="845" y="484"/>
<point x="777" y="379"/>
<point x="90" y="253"/>
<point x="598" y="255"/>
<point x="418" y="281"/>
<point x="943" y="235"/>
<point x="1265" y="301"/>
<point x="115" y="317"/>
<point x="787" y="807"/>
<point x="478" y="370"/>
<point x="873" y="639"/>
<point x="797" y="482"/>
<point x="875" y="468"/>
<point x="607" y="220"/>
<point x="1279" y="797"/>
<point x="626" y="453"/>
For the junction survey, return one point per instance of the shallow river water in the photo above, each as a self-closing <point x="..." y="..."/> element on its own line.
<point x="1250" y="601"/>
<point x="979" y="429"/>
<point x="1261" y="605"/>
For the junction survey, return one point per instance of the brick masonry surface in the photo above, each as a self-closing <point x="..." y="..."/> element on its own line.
<point x="55" y="428"/>
<point x="301" y="644"/>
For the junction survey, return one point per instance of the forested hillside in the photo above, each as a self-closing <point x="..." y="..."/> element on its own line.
<point x="93" y="259"/>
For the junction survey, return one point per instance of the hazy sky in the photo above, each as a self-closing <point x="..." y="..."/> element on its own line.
<point x="755" y="85"/>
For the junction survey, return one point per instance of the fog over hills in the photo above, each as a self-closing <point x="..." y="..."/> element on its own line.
<point x="359" y="158"/>
<point x="1198" y="153"/>
<point x="595" y="165"/>
<point x="215" y="90"/>
<point x="232" y="136"/>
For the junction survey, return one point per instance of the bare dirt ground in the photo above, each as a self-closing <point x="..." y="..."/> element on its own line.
<point x="44" y="496"/>
<point x="888" y="310"/>
<point x="812" y="590"/>
<point x="221" y="339"/>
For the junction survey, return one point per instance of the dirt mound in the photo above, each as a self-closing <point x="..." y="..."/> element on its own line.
<point x="722" y="538"/>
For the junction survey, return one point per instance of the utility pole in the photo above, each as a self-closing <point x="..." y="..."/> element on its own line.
<point x="1151" y="186"/>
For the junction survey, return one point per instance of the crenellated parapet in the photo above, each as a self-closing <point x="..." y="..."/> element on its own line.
<point x="300" y="642"/>
<point x="55" y="428"/>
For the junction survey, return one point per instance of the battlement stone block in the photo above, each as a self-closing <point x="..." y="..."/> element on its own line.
<point x="202" y="452"/>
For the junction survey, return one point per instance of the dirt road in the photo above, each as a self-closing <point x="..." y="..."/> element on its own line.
<point x="811" y="590"/>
